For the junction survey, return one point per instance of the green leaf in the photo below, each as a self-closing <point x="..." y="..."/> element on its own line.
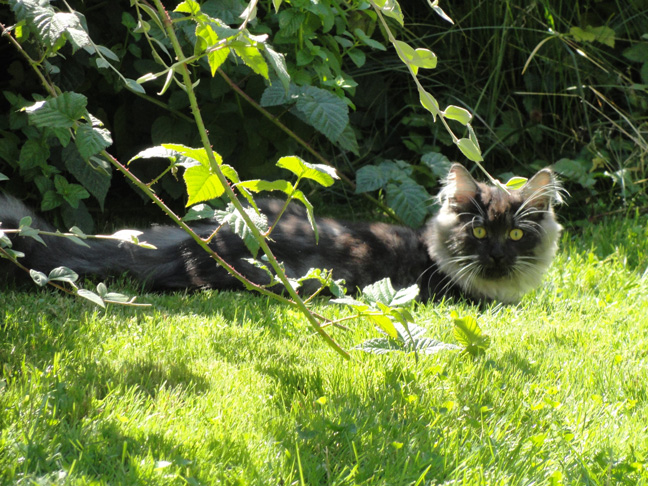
<point x="324" y="111"/>
<point x="197" y="154"/>
<point x="188" y="6"/>
<point x="252" y="58"/>
<point x="392" y="9"/>
<point x="202" y="184"/>
<point x="72" y="193"/>
<point x="358" y="57"/>
<point x="92" y="297"/>
<point x="91" y="140"/>
<point x="257" y="185"/>
<point x="409" y="201"/>
<point x="516" y="183"/>
<point x="637" y="52"/>
<point x="603" y="34"/>
<point x="384" y="323"/>
<point x="469" y="149"/>
<point x="405" y="296"/>
<point x="28" y="231"/>
<point x="469" y="334"/>
<point x="310" y="213"/>
<point x="439" y="163"/>
<point x="381" y="291"/>
<point x="61" y="112"/>
<point x="206" y="39"/>
<point x="94" y="174"/>
<point x="429" y="102"/>
<point x="63" y="274"/>
<point x="278" y="63"/>
<point x="461" y="115"/>
<point x="71" y="25"/>
<point x="238" y="225"/>
<point x="365" y="39"/>
<point x="320" y="173"/>
<point x="439" y="11"/>
<point x="39" y="277"/>
<point x="134" y="86"/>
<point x="370" y="178"/>
<point x="415" y="58"/>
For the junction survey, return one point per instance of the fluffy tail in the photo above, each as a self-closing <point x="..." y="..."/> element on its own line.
<point x="165" y="267"/>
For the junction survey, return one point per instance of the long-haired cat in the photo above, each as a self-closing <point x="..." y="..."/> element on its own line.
<point x="485" y="243"/>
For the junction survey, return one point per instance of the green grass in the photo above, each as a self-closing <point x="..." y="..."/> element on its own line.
<point x="230" y="388"/>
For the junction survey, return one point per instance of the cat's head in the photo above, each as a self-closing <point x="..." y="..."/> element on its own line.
<point x="495" y="242"/>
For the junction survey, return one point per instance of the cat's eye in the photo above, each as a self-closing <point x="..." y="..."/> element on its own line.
<point x="479" y="232"/>
<point x="516" y="234"/>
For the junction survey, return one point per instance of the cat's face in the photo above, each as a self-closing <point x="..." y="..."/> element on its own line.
<point x="495" y="243"/>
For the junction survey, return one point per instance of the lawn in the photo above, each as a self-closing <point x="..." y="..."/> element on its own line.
<point x="231" y="388"/>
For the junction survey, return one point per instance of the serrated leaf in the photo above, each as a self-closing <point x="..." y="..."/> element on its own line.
<point x="258" y="185"/>
<point x="91" y="140"/>
<point x="457" y="113"/>
<point x="188" y="6"/>
<point x="404" y="296"/>
<point x="379" y="346"/>
<point x="469" y="334"/>
<point x="439" y="163"/>
<point x="155" y="152"/>
<point x="207" y="41"/>
<point x="94" y="174"/>
<point x="324" y="111"/>
<point x="197" y="154"/>
<point x="238" y="225"/>
<point x="278" y="62"/>
<point x="202" y="184"/>
<point x="39" y="277"/>
<point x="370" y="178"/>
<point x="60" y="112"/>
<point x="409" y="201"/>
<point x="320" y="173"/>
<point x="603" y="34"/>
<point x="310" y="212"/>
<point x="92" y="297"/>
<point x="381" y="291"/>
<point x="252" y="58"/>
<point x="384" y="323"/>
<point x="63" y="274"/>
<point x="469" y="149"/>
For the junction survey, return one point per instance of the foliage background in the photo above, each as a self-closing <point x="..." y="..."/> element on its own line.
<point x="548" y="82"/>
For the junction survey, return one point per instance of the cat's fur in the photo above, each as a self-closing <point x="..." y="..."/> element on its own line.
<point x="444" y="258"/>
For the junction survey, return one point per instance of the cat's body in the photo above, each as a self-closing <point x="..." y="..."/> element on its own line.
<point x="446" y="257"/>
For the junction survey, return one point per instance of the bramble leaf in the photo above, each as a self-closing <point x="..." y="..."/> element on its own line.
<point x="320" y="173"/>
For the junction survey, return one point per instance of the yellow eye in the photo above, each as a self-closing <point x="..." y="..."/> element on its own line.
<point x="479" y="232"/>
<point x="516" y="234"/>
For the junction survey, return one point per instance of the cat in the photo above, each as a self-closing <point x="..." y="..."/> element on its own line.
<point x="485" y="243"/>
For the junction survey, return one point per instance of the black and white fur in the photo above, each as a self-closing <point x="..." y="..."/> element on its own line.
<point x="443" y="258"/>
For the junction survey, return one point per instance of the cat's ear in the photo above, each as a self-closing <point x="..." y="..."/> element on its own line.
<point x="543" y="190"/>
<point x="459" y="186"/>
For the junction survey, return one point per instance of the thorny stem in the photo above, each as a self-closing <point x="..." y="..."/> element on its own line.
<point x="230" y="193"/>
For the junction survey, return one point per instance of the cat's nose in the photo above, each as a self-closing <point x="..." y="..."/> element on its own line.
<point x="496" y="254"/>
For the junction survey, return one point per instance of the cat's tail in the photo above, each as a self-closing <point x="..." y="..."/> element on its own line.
<point x="161" y="267"/>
